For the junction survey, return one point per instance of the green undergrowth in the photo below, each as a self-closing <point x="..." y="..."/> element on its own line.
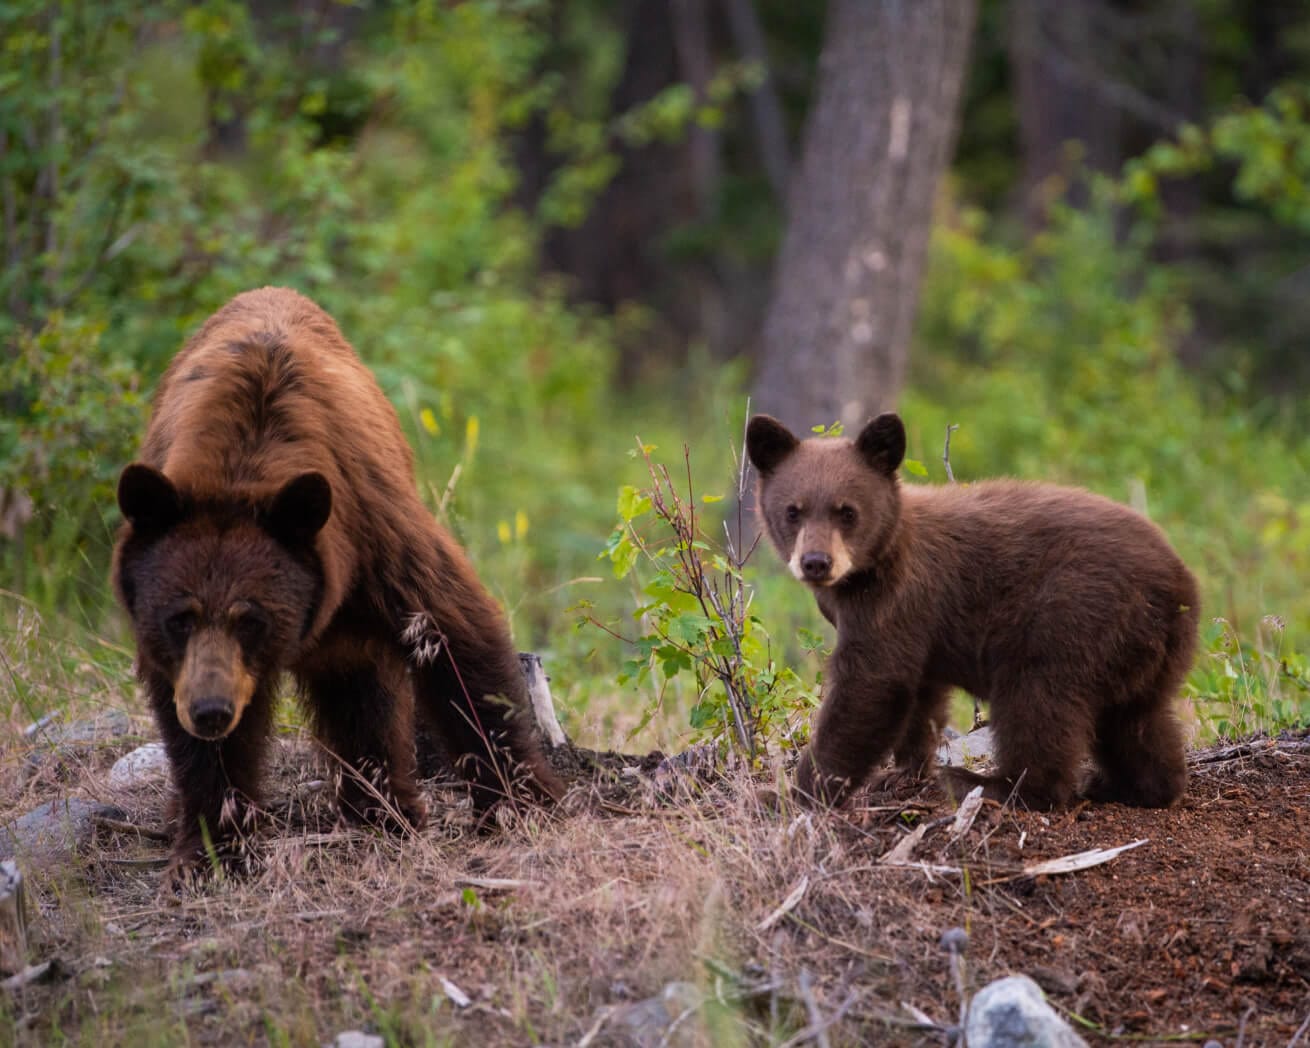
<point x="1056" y="358"/>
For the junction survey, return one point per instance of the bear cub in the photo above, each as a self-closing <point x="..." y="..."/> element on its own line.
<point x="272" y="525"/>
<point x="1068" y="613"/>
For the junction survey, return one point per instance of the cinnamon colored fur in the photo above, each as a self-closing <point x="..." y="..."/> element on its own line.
<point x="1069" y="613"/>
<point x="272" y="524"/>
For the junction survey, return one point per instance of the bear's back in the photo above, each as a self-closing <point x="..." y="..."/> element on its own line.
<point x="269" y="388"/>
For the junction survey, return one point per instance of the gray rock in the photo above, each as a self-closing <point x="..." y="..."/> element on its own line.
<point x="668" y="1018"/>
<point x="54" y="832"/>
<point x="54" y="739"/>
<point x="1011" y="1013"/>
<point x="976" y="747"/>
<point x="148" y="763"/>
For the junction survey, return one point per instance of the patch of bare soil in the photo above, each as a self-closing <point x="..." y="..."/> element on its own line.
<point x="776" y="927"/>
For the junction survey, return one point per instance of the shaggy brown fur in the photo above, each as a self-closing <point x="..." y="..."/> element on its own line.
<point x="272" y="523"/>
<point x="1070" y="614"/>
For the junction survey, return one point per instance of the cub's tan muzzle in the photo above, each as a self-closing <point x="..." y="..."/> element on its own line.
<point x="213" y="688"/>
<point x="820" y="556"/>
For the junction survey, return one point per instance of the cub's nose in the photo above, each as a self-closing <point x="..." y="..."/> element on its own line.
<point x="211" y="717"/>
<point x="816" y="566"/>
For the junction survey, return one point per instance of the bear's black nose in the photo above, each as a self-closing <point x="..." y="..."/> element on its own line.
<point x="211" y="717"/>
<point x="816" y="566"/>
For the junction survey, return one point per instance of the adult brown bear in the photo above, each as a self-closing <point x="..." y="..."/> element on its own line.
<point x="1070" y="614"/>
<point x="272" y="524"/>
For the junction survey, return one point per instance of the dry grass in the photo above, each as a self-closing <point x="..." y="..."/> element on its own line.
<point x="550" y="925"/>
<point x="782" y="927"/>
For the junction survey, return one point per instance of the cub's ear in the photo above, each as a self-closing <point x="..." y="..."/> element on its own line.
<point x="147" y="498"/>
<point x="768" y="442"/>
<point x="299" y="511"/>
<point x="882" y="443"/>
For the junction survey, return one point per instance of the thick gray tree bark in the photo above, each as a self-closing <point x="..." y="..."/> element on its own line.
<point x="879" y="134"/>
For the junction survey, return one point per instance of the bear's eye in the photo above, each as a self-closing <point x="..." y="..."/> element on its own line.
<point x="846" y="514"/>
<point x="250" y="626"/>
<point x="179" y="626"/>
<point x="793" y="514"/>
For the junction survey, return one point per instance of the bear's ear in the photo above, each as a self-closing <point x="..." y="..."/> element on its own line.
<point x="768" y="442"/>
<point x="299" y="511"/>
<point x="882" y="443"/>
<point x="147" y="498"/>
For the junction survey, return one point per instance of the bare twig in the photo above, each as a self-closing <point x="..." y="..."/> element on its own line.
<point x="122" y="826"/>
<point x="817" y="1031"/>
<point x="946" y="457"/>
<point x="1250" y="749"/>
<point x="1300" y="1032"/>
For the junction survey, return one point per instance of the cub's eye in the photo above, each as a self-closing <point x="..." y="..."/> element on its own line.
<point x="180" y="626"/>
<point x="846" y="515"/>
<point x="793" y="514"/>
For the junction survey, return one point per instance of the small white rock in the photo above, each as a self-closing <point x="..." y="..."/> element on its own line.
<point x="1012" y="1013"/>
<point x="147" y="763"/>
<point x="967" y="749"/>
<point x="358" y="1039"/>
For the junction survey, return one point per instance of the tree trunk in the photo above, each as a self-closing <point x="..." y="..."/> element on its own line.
<point x="877" y="139"/>
<point x="1064" y="90"/>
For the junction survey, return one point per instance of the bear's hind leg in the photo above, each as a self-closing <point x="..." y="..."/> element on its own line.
<point x="470" y="690"/>
<point x="915" y="753"/>
<point x="1140" y="755"/>
<point x="364" y="714"/>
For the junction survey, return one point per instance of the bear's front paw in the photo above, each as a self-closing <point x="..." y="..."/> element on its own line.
<point x="193" y="864"/>
<point x="386" y="812"/>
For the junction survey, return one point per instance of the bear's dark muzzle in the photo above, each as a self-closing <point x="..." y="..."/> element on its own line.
<point x="212" y="718"/>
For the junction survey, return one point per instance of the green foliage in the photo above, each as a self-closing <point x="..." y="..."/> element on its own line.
<point x="72" y="176"/>
<point x="1240" y="687"/>
<point x="695" y="619"/>
<point x="1267" y="145"/>
<point x="160" y="158"/>
<point x="405" y="233"/>
<point x="75" y="411"/>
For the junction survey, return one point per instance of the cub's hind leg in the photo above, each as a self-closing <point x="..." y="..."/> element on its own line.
<point x="1140" y="756"/>
<point x="1042" y="734"/>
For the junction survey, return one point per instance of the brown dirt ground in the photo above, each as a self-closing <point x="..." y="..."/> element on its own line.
<point x="1201" y="932"/>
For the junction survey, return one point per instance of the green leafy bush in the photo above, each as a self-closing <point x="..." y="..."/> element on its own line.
<point x="72" y="424"/>
<point x="695" y="617"/>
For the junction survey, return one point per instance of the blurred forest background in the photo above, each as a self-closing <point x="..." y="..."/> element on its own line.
<point x="1077" y="229"/>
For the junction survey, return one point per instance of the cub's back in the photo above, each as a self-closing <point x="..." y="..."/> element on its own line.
<point x="998" y="528"/>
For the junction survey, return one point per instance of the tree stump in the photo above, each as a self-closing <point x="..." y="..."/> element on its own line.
<point x="13" y="920"/>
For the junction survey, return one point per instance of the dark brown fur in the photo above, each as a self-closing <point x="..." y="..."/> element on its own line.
<point x="272" y="524"/>
<point x="1069" y="613"/>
